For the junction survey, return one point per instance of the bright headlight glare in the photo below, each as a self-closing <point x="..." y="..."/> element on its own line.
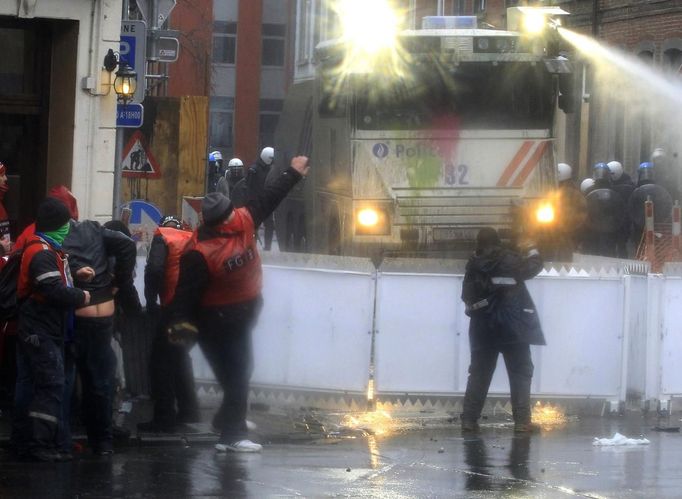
<point x="534" y="22"/>
<point x="368" y="25"/>
<point x="368" y="217"/>
<point x="545" y="213"/>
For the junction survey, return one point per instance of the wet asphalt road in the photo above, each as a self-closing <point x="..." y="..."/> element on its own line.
<point x="425" y="463"/>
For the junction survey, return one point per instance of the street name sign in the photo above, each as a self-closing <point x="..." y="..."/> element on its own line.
<point x="129" y="115"/>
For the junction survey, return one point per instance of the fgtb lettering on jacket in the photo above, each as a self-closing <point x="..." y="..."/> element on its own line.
<point x="233" y="262"/>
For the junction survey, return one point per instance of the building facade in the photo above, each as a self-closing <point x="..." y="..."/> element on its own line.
<point x="57" y="104"/>
<point x="251" y="59"/>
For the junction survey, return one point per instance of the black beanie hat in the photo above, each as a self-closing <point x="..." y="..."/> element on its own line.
<point x="215" y="208"/>
<point x="52" y="214"/>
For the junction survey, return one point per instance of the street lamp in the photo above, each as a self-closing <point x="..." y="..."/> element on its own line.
<point x="125" y="82"/>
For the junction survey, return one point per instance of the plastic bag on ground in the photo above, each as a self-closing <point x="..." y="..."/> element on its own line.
<point x="619" y="439"/>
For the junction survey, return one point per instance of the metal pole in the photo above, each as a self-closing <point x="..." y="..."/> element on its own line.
<point x="118" y="150"/>
<point x="118" y="158"/>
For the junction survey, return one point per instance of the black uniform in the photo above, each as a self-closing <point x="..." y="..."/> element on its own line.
<point x="256" y="179"/>
<point x="624" y="186"/>
<point x="503" y="320"/>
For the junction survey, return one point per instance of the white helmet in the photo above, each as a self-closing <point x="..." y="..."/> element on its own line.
<point x="586" y="185"/>
<point x="235" y="162"/>
<point x="267" y="155"/>
<point x="659" y="152"/>
<point x="616" y="169"/>
<point x="564" y="171"/>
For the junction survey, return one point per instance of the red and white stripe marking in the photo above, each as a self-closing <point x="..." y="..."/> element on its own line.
<point x="523" y="163"/>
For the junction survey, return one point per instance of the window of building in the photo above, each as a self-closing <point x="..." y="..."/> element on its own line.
<point x="460" y="7"/>
<point x="303" y="41"/>
<point x="224" y="42"/>
<point x="222" y="118"/>
<point x="274" y="36"/>
<point x="479" y="6"/>
<point x="270" y="110"/>
<point x="672" y="60"/>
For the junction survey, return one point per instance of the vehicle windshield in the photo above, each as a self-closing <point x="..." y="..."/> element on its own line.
<point x="470" y="96"/>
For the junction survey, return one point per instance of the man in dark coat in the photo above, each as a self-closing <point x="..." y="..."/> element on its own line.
<point x="256" y="178"/>
<point x="503" y="320"/>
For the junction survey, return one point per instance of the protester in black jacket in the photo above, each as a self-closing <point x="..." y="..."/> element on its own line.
<point x="47" y="295"/>
<point x="256" y="181"/>
<point x="90" y="247"/>
<point x="503" y="320"/>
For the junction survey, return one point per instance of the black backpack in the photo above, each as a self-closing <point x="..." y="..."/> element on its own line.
<point x="9" y="279"/>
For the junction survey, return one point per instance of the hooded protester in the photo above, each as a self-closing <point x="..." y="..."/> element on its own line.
<point x="5" y="244"/>
<point x="47" y="293"/>
<point x="503" y="320"/>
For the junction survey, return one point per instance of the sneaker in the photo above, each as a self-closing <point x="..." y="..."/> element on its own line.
<point x="239" y="446"/>
<point x="526" y="428"/>
<point x="251" y="426"/>
<point x="470" y="427"/>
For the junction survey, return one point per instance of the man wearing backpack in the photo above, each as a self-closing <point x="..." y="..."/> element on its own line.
<point x="503" y="320"/>
<point x="46" y="292"/>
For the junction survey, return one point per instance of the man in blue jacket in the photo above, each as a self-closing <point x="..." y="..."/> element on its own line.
<point x="503" y="320"/>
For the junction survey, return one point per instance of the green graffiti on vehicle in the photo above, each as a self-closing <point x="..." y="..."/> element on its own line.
<point x="423" y="172"/>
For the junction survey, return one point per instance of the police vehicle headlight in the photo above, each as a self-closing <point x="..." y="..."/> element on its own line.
<point x="544" y="214"/>
<point x="373" y="221"/>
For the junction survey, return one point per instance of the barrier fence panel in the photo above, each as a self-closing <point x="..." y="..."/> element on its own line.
<point x="671" y="338"/>
<point x="315" y="329"/>
<point x="582" y="321"/>
<point x="419" y="328"/>
<point x="635" y="328"/>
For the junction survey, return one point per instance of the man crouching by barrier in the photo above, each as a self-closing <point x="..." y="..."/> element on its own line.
<point x="503" y="320"/>
<point x="219" y="290"/>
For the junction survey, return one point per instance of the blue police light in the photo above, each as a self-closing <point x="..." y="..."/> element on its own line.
<point x="449" y="22"/>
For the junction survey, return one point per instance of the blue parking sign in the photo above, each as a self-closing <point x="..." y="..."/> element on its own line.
<point x="133" y="47"/>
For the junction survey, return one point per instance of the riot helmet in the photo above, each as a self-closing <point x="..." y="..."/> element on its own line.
<point x="235" y="169"/>
<point x="616" y="169"/>
<point x="215" y="161"/>
<point x="170" y="221"/>
<point x="564" y="172"/>
<point x="645" y="173"/>
<point x="601" y="175"/>
<point x="267" y="155"/>
<point x="587" y="185"/>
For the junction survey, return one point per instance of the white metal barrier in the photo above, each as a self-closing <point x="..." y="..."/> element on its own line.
<point x="610" y="335"/>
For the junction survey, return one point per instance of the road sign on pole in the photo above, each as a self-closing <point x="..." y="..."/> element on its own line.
<point x="129" y="115"/>
<point x="166" y="49"/>
<point x="133" y="51"/>
<point x="159" y="10"/>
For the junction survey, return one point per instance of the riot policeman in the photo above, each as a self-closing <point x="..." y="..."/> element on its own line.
<point x="623" y="185"/>
<point x="605" y="214"/>
<point x="215" y="169"/>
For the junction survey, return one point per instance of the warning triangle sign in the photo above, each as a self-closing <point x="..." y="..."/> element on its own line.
<point x="138" y="160"/>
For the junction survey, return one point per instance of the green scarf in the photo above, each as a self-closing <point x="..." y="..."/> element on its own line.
<point x="60" y="234"/>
